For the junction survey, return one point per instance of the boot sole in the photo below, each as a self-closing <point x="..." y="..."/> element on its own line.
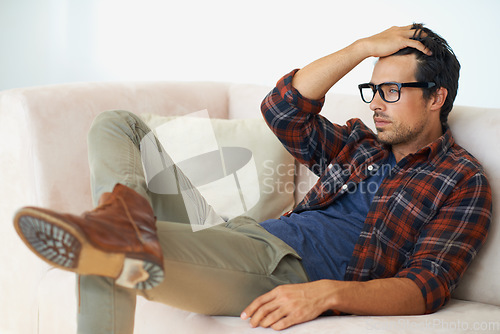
<point x="64" y="246"/>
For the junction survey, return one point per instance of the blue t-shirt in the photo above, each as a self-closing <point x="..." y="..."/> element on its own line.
<point x="325" y="238"/>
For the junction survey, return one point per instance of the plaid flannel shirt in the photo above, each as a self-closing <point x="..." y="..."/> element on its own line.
<point x="429" y="217"/>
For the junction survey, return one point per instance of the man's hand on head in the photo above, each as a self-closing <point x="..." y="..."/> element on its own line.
<point x="315" y="80"/>
<point x="391" y="41"/>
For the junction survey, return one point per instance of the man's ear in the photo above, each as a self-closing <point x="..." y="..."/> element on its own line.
<point x="438" y="98"/>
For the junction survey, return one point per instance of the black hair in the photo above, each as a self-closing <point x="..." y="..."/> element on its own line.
<point x="442" y="67"/>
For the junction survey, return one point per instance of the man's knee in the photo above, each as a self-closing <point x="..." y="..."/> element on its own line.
<point x="111" y="117"/>
<point x="117" y="123"/>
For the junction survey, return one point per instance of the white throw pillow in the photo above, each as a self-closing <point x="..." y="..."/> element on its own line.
<point x="257" y="176"/>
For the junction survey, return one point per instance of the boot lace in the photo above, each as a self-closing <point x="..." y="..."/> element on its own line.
<point x="127" y="213"/>
<point x="131" y="220"/>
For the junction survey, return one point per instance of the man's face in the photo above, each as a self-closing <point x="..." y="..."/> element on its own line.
<point x="403" y="122"/>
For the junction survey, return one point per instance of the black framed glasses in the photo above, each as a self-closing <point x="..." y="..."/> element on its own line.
<point x="389" y="91"/>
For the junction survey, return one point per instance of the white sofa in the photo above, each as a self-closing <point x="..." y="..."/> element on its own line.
<point x="43" y="162"/>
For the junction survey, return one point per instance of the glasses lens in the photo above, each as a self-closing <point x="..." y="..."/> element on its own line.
<point x="390" y="92"/>
<point x="367" y="93"/>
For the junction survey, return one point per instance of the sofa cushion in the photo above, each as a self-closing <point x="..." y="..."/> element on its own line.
<point x="258" y="180"/>
<point x="476" y="129"/>
<point x="56" y="297"/>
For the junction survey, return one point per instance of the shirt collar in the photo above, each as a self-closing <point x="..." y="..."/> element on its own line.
<point x="435" y="150"/>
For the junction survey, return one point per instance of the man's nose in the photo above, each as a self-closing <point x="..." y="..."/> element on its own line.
<point x="377" y="102"/>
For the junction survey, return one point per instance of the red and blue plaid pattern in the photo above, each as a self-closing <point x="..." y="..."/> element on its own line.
<point x="429" y="217"/>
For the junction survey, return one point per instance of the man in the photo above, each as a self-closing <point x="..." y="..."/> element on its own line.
<point x="412" y="249"/>
<point x="398" y="249"/>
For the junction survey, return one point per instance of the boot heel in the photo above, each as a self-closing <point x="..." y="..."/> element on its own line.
<point x="156" y="275"/>
<point x="139" y="274"/>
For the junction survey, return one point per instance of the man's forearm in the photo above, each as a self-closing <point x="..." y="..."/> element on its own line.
<point x="390" y="296"/>
<point x="292" y="304"/>
<point x="315" y="80"/>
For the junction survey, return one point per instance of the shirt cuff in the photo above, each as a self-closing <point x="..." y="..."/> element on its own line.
<point x="435" y="293"/>
<point x="293" y="97"/>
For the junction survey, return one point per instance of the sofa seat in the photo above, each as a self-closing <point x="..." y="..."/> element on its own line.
<point x="459" y="316"/>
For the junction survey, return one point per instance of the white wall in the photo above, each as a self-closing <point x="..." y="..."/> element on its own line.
<point x="55" y="41"/>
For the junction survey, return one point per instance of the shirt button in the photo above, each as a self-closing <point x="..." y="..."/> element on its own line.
<point x="344" y="186"/>
<point x="370" y="168"/>
<point x="330" y="166"/>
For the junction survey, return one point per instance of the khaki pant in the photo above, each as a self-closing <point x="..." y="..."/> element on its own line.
<point x="217" y="271"/>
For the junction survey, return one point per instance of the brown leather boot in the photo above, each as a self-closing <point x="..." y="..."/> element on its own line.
<point x="117" y="239"/>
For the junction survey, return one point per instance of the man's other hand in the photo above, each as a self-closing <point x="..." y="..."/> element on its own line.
<point x="287" y="305"/>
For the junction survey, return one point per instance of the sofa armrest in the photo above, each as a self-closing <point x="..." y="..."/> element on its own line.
<point x="43" y="162"/>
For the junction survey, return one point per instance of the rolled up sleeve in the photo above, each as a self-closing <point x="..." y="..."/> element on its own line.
<point x="447" y="244"/>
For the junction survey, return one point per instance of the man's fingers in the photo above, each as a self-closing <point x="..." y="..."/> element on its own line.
<point x="260" y="316"/>
<point x="250" y="310"/>
<point x="393" y="39"/>
<point x="273" y="317"/>
<point x="409" y="33"/>
<point x="264" y="311"/>
<point x="419" y="46"/>
<point x="287" y="305"/>
<point x="283" y="323"/>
